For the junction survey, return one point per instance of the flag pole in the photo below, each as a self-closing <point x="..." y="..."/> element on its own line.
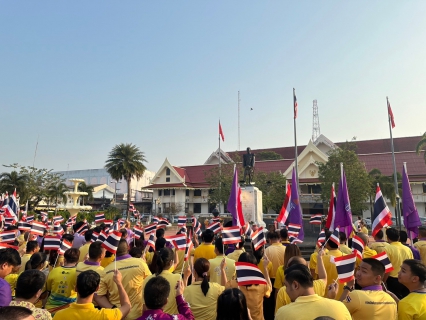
<point x="220" y="173"/>
<point x="397" y="213"/>
<point x="295" y="136"/>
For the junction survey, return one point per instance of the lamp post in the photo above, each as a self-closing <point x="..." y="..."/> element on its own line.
<point x="115" y="190"/>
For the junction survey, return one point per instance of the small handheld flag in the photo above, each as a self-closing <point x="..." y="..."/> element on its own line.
<point x="335" y="236"/>
<point x="162" y="223"/>
<point x="258" y="239"/>
<point x="38" y="228"/>
<point x="65" y="245"/>
<point x="24" y="226"/>
<point x="138" y="232"/>
<point x="179" y="241"/>
<point x="345" y="267"/>
<point x="58" y="219"/>
<point x="151" y="242"/>
<point x="231" y="235"/>
<point x="30" y="219"/>
<point x="383" y="258"/>
<point x="358" y="246"/>
<point x="293" y="229"/>
<point x="99" y="218"/>
<point x="111" y="243"/>
<point x="102" y="236"/>
<point x="382" y="215"/>
<point x="285" y="209"/>
<point x="7" y="236"/>
<point x="150" y="228"/>
<point x="57" y="229"/>
<point x="51" y="243"/>
<point x="249" y="274"/>
<point x="316" y="219"/>
<point x="181" y="221"/>
<point x="84" y="227"/>
<point x="188" y="249"/>
<point x="321" y="238"/>
<point x="95" y="236"/>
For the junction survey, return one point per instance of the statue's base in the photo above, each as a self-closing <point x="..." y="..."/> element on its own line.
<point x="251" y="198"/>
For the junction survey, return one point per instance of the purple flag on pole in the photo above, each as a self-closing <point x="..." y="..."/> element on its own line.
<point x="343" y="206"/>
<point x="295" y="214"/>
<point x="409" y="210"/>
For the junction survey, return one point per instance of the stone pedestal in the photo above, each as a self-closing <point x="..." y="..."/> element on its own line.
<point x="251" y="198"/>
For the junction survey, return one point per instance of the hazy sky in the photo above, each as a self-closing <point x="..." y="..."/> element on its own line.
<point x="86" y="75"/>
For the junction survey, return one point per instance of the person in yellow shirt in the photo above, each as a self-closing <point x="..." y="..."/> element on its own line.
<point x="133" y="271"/>
<point x="84" y="249"/>
<point x="396" y="253"/>
<point x="259" y="255"/>
<point x="11" y="279"/>
<point x="32" y="247"/>
<point x="367" y="252"/>
<point x="202" y="295"/>
<point x="379" y="244"/>
<point x="206" y="248"/>
<point x="364" y="228"/>
<point x="214" y="269"/>
<point x="108" y="259"/>
<point x="239" y="249"/>
<point x="413" y="275"/>
<point x="96" y="254"/>
<point x="284" y="237"/>
<point x="291" y="250"/>
<point x="306" y="305"/>
<point x="343" y="240"/>
<point x="371" y="302"/>
<point x="86" y="286"/>
<point x="421" y="244"/>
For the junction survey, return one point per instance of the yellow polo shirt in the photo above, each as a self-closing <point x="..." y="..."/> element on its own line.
<point x="24" y="259"/>
<point x="310" y="307"/>
<point x="205" y="251"/>
<point x="421" y="246"/>
<point x="367" y="253"/>
<point x="215" y="273"/>
<point x="203" y="307"/>
<point x="345" y="249"/>
<point x="83" y="251"/>
<point x="412" y="307"/>
<point x="279" y="278"/>
<point x="364" y="230"/>
<point x="368" y="304"/>
<point x="275" y="253"/>
<point x="378" y="246"/>
<point x="397" y="253"/>
<point x="87" y="311"/>
<point x="283" y="298"/>
<point x="134" y="272"/>
<point x="88" y="265"/>
<point x="331" y="270"/>
<point x="61" y="284"/>
<point x="235" y="254"/>
<point x="107" y="260"/>
<point x="269" y="267"/>
<point x="11" y="279"/>
<point x="181" y="256"/>
<point x="170" y="307"/>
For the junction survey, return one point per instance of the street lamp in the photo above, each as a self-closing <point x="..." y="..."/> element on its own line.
<point x="115" y="190"/>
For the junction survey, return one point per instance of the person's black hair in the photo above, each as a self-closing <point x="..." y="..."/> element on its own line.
<point x="164" y="256"/>
<point x="29" y="283"/>
<point x="247" y="257"/>
<point x="417" y="268"/>
<point x="77" y="226"/>
<point x="201" y="267"/>
<point x="403" y="236"/>
<point x="160" y="243"/>
<point x="137" y="243"/>
<point x="14" y="313"/>
<point x="332" y="244"/>
<point x="87" y="283"/>
<point x="284" y="234"/>
<point x="88" y="235"/>
<point x="136" y="252"/>
<point x="422" y="231"/>
<point x="31" y="246"/>
<point x="72" y="255"/>
<point x="258" y="254"/>
<point x="37" y="259"/>
<point x="156" y="292"/>
<point x="218" y="244"/>
<point x="95" y="250"/>
<point x="68" y="237"/>
<point x="10" y="256"/>
<point x="53" y="254"/>
<point x="376" y="266"/>
<point x="301" y="274"/>
<point x="296" y="260"/>
<point x="324" y="318"/>
<point x="159" y="233"/>
<point x="123" y="233"/>
<point x="379" y="234"/>
<point x="207" y="236"/>
<point x="108" y="254"/>
<point x="123" y="248"/>
<point x="232" y="305"/>
<point x="272" y="235"/>
<point x="342" y="237"/>
<point x="97" y="229"/>
<point x="392" y="234"/>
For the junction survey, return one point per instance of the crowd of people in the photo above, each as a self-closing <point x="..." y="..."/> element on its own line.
<point x="147" y="282"/>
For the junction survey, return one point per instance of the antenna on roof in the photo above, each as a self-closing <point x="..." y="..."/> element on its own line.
<point x="315" y="122"/>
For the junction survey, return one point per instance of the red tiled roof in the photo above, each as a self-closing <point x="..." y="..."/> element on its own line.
<point x="384" y="145"/>
<point x="284" y="152"/>
<point x="180" y="171"/>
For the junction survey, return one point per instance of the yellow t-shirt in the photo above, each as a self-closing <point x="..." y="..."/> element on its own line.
<point x="279" y="278"/>
<point x="235" y="254"/>
<point x="331" y="270"/>
<point x="421" y="246"/>
<point x="367" y="253"/>
<point x="61" y="284"/>
<point x="283" y="298"/>
<point x="378" y="246"/>
<point x="11" y="279"/>
<point x="83" y="251"/>
<point x="205" y="251"/>
<point x="215" y="272"/>
<point x="367" y="304"/>
<point x="133" y="272"/>
<point x="397" y="253"/>
<point x="412" y="307"/>
<point x="364" y="230"/>
<point x="148" y="257"/>
<point x="275" y="253"/>
<point x="107" y="260"/>
<point x="310" y="307"/>
<point x="181" y="256"/>
<point x="172" y="278"/>
<point x="24" y="260"/>
<point x="88" y="311"/>
<point x="88" y="265"/>
<point x="313" y="260"/>
<point x="345" y="249"/>
<point x="203" y="307"/>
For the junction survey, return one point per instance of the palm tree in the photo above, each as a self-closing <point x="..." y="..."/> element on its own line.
<point x="83" y="187"/>
<point x="126" y="161"/>
<point x="56" y="192"/>
<point x="10" y="181"/>
<point x="421" y="146"/>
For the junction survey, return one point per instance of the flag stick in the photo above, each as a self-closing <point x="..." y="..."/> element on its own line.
<point x="115" y="261"/>
<point x="54" y="266"/>
<point x="220" y="173"/>
<point x="295" y="139"/>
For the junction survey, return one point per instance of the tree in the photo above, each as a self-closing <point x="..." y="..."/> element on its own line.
<point x="386" y="185"/>
<point x="11" y="181"/>
<point x="83" y="187"/>
<point x="421" y="146"/>
<point x="126" y="161"/>
<point x="56" y="193"/>
<point x="272" y="185"/>
<point x="358" y="180"/>
<point x="268" y="155"/>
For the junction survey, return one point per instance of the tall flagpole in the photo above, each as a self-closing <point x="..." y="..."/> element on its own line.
<point x="295" y="137"/>
<point x="397" y="213"/>
<point x="220" y="173"/>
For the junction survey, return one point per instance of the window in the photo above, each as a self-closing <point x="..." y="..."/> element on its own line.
<point x="315" y="189"/>
<point x="168" y="179"/>
<point x="424" y="187"/>
<point x="211" y="191"/>
<point x="197" y="193"/>
<point x="166" y="192"/>
<point x="166" y="207"/>
<point x="160" y="192"/>
<point x="167" y="172"/>
<point x="173" y="192"/>
<point x="197" y="207"/>
<point x="186" y="207"/>
<point x="187" y="192"/>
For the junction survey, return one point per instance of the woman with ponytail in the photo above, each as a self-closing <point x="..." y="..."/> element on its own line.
<point x="202" y="295"/>
<point x="164" y="260"/>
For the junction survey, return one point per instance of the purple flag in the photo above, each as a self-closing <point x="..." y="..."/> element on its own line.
<point x="409" y="210"/>
<point x="295" y="214"/>
<point x="343" y="217"/>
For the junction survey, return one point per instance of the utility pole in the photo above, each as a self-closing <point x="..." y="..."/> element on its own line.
<point x="315" y="122"/>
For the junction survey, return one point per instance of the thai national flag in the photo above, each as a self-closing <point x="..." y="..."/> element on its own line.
<point x="321" y="238"/>
<point x="9" y="222"/>
<point x="95" y="236"/>
<point x="138" y="232"/>
<point x="182" y="230"/>
<point x="181" y="221"/>
<point x="335" y="236"/>
<point x="345" y="267"/>
<point x="24" y="226"/>
<point x="111" y="243"/>
<point x="150" y="228"/>
<point x="294" y="240"/>
<point x="188" y="249"/>
<point x="151" y="242"/>
<point x="82" y="230"/>
<point x="12" y="207"/>
<point x="249" y="274"/>
<point x="108" y="223"/>
<point x="65" y="245"/>
<point x="179" y="241"/>
<point x="358" y="246"/>
<point x="293" y="230"/>
<point x="383" y="258"/>
<point x="215" y="227"/>
<point x="38" y="228"/>
<point x="131" y="207"/>
<point x="382" y="215"/>
<point x="29" y="219"/>
<point x="58" y="219"/>
<point x="44" y="214"/>
<point x="247" y="231"/>
<point x="57" y="229"/>
<point x="99" y="218"/>
<point x="316" y="218"/>
<point x="102" y="236"/>
<point x="155" y="219"/>
<point x="231" y="235"/>
<point x="52" y="243"/>
<point x="121" y="223"/>
<point x="162" y="223"/>
<point x="331" y="210"/>
<point x="7" y="236"/>
<point x="285" y="209"/>
<point x="71" y="221"/>
<point x="197" y="229"/>
<point x="258" y="239"/>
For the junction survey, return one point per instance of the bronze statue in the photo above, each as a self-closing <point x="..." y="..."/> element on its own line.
<point x="248" y="164"/>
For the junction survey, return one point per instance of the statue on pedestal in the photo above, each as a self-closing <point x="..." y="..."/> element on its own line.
<point x="248" y="164"/>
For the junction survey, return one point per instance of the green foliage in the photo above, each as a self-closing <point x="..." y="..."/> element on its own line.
<point x="55" y="193"/>
<point x="268" y="155"/>
<point x="83" y="187"/>
<point x="421" y="146"/>
<point x="10" y="181"/>
<point x="358" y="180"/>
<point x="386" y="185"/>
